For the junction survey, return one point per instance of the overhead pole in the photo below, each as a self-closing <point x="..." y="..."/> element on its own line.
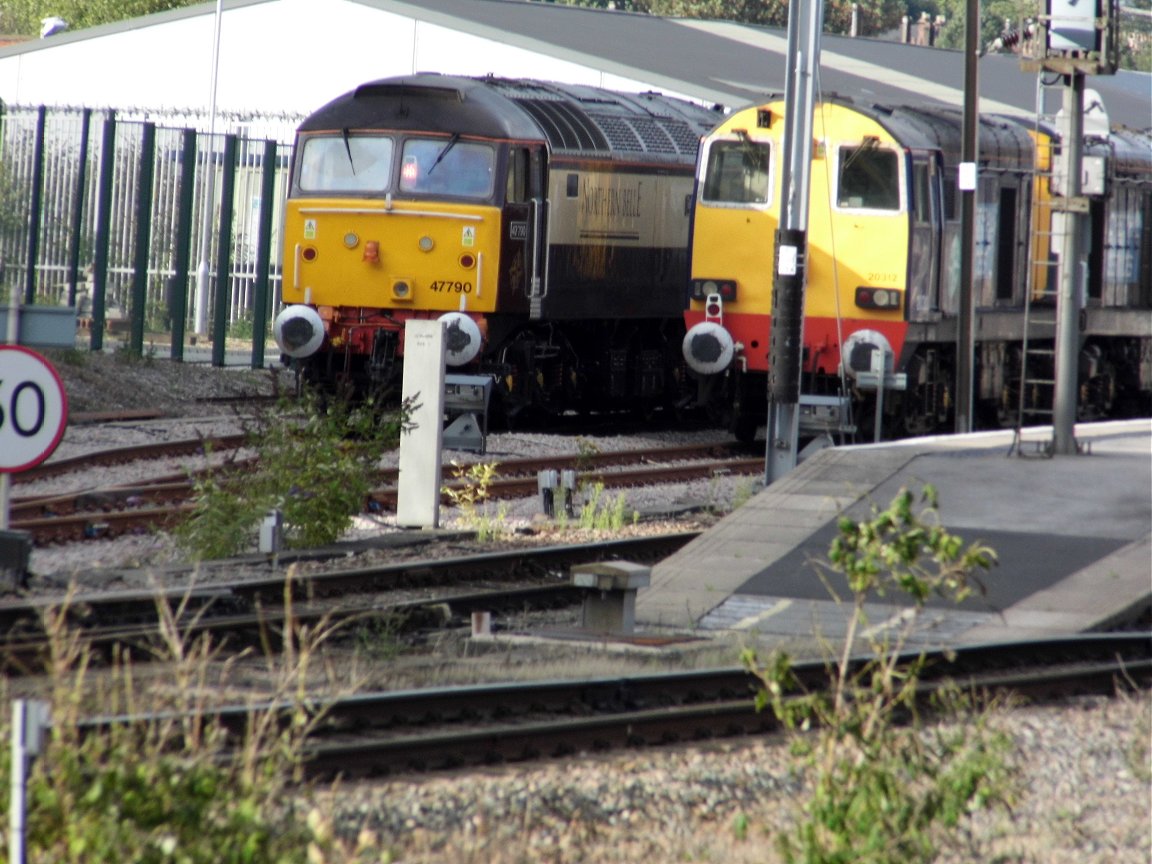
<point x="968" y="181"/>
<point x="1072" y="39"/>
<point x="1068" y="300"/>
<point x="202" y="271"/>
<point x="805" y="21"/>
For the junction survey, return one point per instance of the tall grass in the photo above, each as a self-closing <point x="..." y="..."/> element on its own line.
<point x="166" y="783"/>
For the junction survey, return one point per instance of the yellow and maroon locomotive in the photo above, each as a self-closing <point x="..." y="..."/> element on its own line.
<point x="546" y="224"/>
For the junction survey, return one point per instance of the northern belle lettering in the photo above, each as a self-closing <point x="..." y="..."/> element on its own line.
<point x="609" y="201"/>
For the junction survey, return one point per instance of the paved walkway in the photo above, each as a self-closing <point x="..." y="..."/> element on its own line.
<point x="1072" y="534"/>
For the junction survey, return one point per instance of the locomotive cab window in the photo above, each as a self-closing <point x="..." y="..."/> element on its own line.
<point x="737" y="172"/>
<point x="447" y="166"/>
<point x="868" y="178"/>
<point x="346" y="163"/>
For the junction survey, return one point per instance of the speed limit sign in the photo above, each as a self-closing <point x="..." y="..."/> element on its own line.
<point x="33" y="409"/>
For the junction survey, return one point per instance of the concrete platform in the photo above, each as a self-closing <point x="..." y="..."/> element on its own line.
<point x="1073" y="535"/>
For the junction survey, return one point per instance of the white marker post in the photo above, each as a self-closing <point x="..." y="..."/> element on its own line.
<point x="30" y="719"/>
<point x="418" y="489"/>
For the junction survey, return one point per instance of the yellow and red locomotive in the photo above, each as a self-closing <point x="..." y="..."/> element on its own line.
<point x="883" y="267"/>
<point x="546" y="224"/>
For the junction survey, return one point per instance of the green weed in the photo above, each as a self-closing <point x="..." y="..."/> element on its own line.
<point x="881" y="785"/>
<point x="315" y="466"/>
<point x="471" y="497"/>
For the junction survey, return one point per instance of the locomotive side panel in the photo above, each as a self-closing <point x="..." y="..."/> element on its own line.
<point x="618" y="240"/>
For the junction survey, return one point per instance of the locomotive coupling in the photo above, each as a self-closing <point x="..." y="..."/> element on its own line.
<point x="298" y="331"/>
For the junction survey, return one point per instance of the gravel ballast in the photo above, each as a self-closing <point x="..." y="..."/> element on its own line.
<point x="1083" y="767"/>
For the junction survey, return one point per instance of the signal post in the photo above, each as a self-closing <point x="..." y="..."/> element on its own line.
<point x="1073" y="39"/>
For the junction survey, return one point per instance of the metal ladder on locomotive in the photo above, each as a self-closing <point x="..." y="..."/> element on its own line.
<point x="1036" y="391"/>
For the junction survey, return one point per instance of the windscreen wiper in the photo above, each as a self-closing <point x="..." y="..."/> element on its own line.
<point x="451" y="143"/>
<point x="348" y="147"/>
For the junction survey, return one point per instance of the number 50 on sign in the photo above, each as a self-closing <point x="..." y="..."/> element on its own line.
<point x="33" y="409"/>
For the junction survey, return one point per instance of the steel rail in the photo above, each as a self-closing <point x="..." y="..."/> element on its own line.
<point x="160" y="504"/>
<point x="448" y="727"/>
<point x="238" y="607"/>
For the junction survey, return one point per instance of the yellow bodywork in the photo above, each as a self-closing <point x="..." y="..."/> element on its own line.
<point x="846" y="249"/>
<point x="363" y="253"/>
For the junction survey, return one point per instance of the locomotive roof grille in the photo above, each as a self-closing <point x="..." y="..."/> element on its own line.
<point x="621" y="133"/>
<point x="655" y="138"/>
<point x="564" y="127"/>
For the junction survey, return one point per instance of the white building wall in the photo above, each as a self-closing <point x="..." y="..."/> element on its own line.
<point x="282" y="56"/>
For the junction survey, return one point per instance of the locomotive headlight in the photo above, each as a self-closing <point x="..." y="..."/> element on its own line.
<point x="402" y="289"/>
<point x="857" y="350"/>
<point x="724" y="288"/>
<point x="708" y="348"/>
<point x="467" y="260"/>
<point x="351" y="239"/>
<point x="878" y="298"/>
<point x="426" y="243"/>
<point x="298" y="331"/>
<point x="461" y="338"/>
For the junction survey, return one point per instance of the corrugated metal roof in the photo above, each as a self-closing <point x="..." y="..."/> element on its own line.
<point x="712" y="61"/>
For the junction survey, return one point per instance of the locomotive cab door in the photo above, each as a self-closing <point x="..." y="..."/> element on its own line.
<point x="927" y="216"/>
<point x="523" y="264"/>
<point x="537" y="241"/>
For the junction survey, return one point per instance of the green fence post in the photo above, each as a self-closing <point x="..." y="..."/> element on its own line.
<point x="178" y="288"/>
<point x="77" y="225"/>
<point x="35" y="206"/>
<point x="260" y="302"/>
<point x="143" y="235"/>
<point x="103" y="230"/>
<point x="224" y="252"/>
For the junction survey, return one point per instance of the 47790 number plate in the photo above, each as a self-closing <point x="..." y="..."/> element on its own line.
<point x="449" y="286"/>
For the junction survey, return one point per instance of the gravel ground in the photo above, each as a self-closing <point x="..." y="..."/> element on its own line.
<point x="1082" y="776"/>
<point x="107" y="382"/>
<point x="1083" y="767"/>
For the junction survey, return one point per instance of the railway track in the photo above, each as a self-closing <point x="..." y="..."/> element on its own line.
<point x="379" y="734"/>
<point x="237" y="611"/>
<point x="114" y="510"/>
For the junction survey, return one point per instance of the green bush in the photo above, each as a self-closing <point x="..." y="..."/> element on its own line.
<point x="316" y="466"/>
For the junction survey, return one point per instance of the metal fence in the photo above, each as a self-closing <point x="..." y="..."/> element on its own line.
<point x="108" y="214"/>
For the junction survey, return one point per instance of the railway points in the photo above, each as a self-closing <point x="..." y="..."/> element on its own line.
<point x="1073" y="535"/>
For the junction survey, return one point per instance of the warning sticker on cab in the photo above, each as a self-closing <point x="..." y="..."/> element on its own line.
<point x="309" y="229"/>
<point x="468" y="236"/>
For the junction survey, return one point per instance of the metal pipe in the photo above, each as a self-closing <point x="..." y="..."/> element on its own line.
<point x="1068" y="300"/>
<point x="789" y="275"/>
<point x="965" y="342"/>
<point x="202" y="271"/>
